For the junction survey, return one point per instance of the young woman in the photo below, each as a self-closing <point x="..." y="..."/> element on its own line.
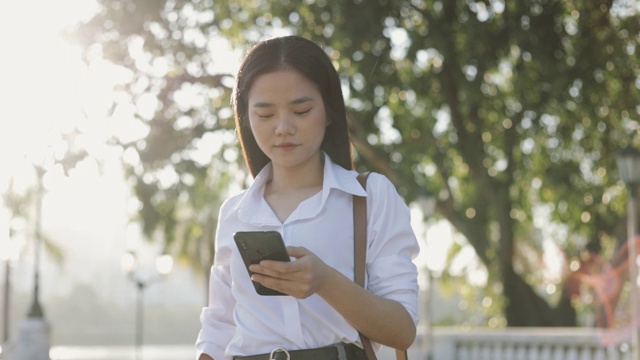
<point x="291" y="118"/>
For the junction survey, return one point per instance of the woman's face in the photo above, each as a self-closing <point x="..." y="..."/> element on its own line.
<point x="287" y="118"/>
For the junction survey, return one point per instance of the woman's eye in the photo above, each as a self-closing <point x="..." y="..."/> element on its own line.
<point x="303" y="112"/>
<point x="264" y="116"/>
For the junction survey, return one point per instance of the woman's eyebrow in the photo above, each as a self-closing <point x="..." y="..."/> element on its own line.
<point x="301" y="100"/>
<point x="262" y="105"/>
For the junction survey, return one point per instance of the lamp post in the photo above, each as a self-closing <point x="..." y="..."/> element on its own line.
<point x="33" y="340"/>
<point x="628" y="161"/>
<point x="35" y="311"/>
<point x="163" y="266"/>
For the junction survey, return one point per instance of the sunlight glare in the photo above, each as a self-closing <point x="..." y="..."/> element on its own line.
<point x="554" y="261"/>
<point x="51" y="90"/>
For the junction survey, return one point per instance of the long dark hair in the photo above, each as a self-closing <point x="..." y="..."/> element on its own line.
<point x="307" y="58"/>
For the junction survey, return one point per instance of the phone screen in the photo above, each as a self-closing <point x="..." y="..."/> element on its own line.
<point x="255" y="246"/>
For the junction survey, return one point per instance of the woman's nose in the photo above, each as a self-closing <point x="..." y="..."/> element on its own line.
<point x="285" y="125"/>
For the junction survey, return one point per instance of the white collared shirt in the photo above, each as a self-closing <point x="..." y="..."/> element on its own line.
<point x="238" y="321"/>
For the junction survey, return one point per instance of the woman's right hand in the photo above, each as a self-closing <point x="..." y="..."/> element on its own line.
<point x="205" y="357"/>
<point x="300" y="279"/>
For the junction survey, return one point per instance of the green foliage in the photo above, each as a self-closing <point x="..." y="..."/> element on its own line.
<point x="498" y="108"/>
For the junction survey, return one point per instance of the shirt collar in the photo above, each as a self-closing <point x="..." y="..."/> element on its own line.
<point x="254" y="209"/>
<point x="337" y="177"/>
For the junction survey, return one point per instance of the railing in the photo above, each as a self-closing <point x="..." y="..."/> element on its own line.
<point x="443" y="343"/>
<point x="517" y="344"/>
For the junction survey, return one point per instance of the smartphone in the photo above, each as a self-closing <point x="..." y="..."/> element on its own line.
<point x="256" y="246"/>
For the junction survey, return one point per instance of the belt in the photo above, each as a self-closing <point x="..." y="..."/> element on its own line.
<point x="339" y="351"/>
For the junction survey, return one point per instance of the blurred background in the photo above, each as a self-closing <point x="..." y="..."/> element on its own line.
<point x="499" y="122"/>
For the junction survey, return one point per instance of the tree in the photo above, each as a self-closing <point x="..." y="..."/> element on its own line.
<point x="501" y="109"/>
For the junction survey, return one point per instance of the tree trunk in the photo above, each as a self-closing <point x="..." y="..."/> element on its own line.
<point x="526" y="308"/>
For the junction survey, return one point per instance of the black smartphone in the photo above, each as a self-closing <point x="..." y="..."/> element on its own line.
<point x="256" y="246"/>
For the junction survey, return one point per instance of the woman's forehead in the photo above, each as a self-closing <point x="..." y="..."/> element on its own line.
<point x="284" y="86"/>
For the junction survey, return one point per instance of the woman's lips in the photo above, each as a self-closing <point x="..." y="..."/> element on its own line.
<point x="286" y="146"/>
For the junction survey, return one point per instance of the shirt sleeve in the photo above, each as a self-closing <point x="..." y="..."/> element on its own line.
<point x="217" y="324"/>
<point x="392" y="246"/>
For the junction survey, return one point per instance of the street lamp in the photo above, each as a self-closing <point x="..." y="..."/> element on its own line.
<point x="34" y="334"/>
<point x="129" y="263"/>
<point x="628" y="161"/>
<point x="35" y="311"/>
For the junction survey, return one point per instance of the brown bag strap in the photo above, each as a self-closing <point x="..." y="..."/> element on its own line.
<point x="360" y="255"/>
<point x="360" y="231"/>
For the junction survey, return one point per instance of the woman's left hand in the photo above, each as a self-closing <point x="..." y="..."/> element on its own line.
<point x="300" y="278"/>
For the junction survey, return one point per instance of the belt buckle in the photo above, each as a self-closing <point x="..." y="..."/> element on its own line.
<point x="271" y="356"/>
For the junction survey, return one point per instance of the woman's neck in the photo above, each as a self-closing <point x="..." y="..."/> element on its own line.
<point x="288" y="187"/>
<point x="291" y="179"/>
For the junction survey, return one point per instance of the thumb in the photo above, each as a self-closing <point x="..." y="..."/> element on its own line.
<point x="297" y="251"/>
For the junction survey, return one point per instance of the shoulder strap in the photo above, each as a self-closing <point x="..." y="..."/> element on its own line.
<point x="360" y="255"/>
<point x="360" y="231"/>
